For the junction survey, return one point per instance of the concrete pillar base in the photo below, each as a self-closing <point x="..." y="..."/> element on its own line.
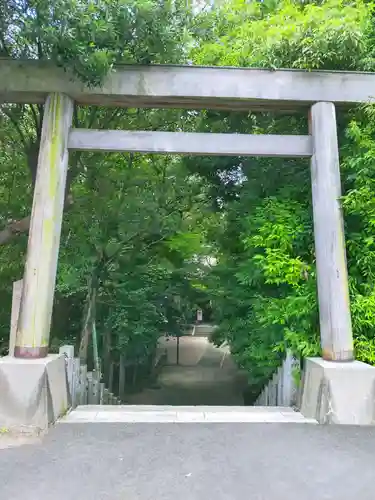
<point x="33" y="393"/>
<point x="339" y="393"/>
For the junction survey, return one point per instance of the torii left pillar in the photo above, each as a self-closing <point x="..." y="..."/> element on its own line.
<point x="33" y="384"/>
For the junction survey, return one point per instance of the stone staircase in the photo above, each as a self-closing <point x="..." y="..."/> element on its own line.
<point x="183" y="414"/>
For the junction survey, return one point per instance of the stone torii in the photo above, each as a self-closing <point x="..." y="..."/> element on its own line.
<point x="327" y="379"/>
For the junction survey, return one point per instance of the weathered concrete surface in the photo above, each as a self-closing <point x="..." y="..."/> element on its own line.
<point x="33" y="393"/>
<point x="336" y="335"/>
<point x="191" y="87"/>
<point x="10" y="440"/>
<point x="339" y="393"/>
<point x="186" y="414"/>
<point x="193" y="462"/>
<point x="38" y="288"/>
<point x="190" y="143"/>
<point x="16" y="302"/>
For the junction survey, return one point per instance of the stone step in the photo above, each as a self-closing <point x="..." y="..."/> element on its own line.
<point x="184" y="414"/>
<point x="204" y="329"/>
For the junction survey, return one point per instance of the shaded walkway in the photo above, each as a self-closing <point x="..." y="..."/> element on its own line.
<point x="205" y="375"/>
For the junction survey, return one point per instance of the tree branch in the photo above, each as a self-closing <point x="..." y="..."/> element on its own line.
<point x="22" y="225"/>
<point x="16" y="126"/>
<point x="37" y="120"/>
<point x="75" y="115"/>
<point x="4" y="47"/>
<point x="38" y="42"/>
<point x="118" y="113"/>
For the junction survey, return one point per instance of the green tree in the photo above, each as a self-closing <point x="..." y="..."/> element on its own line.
<point x="87" y="39"/>
<point x="265" y="282"/>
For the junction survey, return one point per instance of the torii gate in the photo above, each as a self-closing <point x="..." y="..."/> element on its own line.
<point x="200" y="88"/>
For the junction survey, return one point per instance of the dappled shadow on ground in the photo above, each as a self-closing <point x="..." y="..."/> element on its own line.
<point x="205" y="375"/>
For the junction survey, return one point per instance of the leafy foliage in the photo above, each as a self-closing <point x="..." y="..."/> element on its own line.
<point x="89" y="37"/>
<point x="120" y="257"/>
<point x="135" y="240"/>
<point x="265" y="282"/>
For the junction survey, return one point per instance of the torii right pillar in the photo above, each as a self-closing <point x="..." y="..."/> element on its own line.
<point x="336" y="388"/>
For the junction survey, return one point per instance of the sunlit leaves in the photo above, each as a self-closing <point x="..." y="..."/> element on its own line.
<point x="265" y="282"/>
<point x="89" y="37"/>
<point x="287" y="34"/>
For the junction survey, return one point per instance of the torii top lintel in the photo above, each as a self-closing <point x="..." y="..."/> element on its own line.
<point x="193" y="87"/>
